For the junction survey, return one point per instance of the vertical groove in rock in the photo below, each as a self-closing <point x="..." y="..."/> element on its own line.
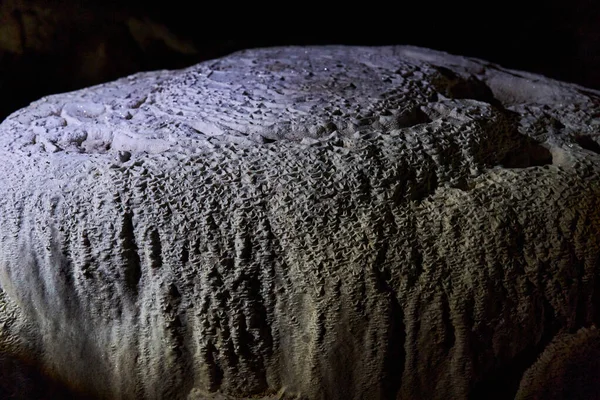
<point x="86" y="255"/>
<point x="594" y="313"/>
<point x="449" y="329"/>
<point x="155" y="250"/>
<point x="215" y="372"/>
<point x="395" y="339"/>
<point x="132" y="268"/>
<point x="185" y="254"/>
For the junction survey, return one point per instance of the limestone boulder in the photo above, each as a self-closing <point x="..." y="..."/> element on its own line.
<point x="303" y="223"/>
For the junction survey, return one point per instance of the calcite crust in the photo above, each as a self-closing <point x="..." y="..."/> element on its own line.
<point x="303" y="222"/>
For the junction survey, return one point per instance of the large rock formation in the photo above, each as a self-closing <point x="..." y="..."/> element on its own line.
<point x="313" y="223"/>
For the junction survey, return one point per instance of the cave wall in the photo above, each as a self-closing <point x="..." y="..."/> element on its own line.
<point x="56" y="46"/>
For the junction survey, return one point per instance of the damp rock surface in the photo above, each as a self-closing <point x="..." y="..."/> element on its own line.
<point x="302" y="223"/>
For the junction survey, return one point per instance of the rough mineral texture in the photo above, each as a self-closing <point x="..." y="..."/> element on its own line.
<point x="300" y="223"/>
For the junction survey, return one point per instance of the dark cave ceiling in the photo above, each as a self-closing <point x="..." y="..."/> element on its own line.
<point x="55" y="46"/>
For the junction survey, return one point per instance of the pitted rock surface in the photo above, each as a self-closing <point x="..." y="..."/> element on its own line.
<point x="312" y="223"/>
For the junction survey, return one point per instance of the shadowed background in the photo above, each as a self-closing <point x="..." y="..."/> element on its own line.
<point x="55" y="46"/>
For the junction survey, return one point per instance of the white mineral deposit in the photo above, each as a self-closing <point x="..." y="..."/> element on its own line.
<point x="299" y="223"/>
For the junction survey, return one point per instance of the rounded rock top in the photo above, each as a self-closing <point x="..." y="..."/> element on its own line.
<point x="303" y="222"/>
<point x="262" y="96"/>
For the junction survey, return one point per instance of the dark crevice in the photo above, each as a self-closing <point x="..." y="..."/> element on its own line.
<point x="129" y="252"/>
<point x="588" y="143"/>
<point x="268" y="140"/>
<point x="578" y="281"/>
<point x="426" y="187"/>
<point x="185" y="254"/>
<point x="270" y="280"/>
<point x="214" y="370"/>
<point x="180" y="336"/>
<point x="449" y="330"/>
<point x="260" y="317"/>
<point x="526" y="151"/>
<point x="245" y="250"/>
<point x="124" y="156"/>
<point x="395" y="352"/>
<point x="63" y="263"/>
<point x="454" y="86"/>
<point x="247" y="351"/>
<point x="411" y="117"/>
<point x="529" y="155"/>
<point x="174" y="294"/>
<point x="244" y="351"/>
<point x="503" y="382"/>
<point x="155" y="249"/>
<point x="88" y="259"/>
<point x="595" y="300"/>
<point x="417" y="263"/>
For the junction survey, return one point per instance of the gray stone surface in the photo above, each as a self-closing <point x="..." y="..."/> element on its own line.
<point x="312" y="223"/>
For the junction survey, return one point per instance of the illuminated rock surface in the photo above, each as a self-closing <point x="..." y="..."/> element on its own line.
<point x="314" y="223"/>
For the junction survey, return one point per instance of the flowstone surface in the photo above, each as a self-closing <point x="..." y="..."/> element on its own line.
<point x="302" y="223"/>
